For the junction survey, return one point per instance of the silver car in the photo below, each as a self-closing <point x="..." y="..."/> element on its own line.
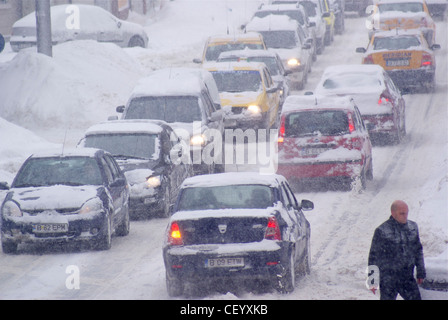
<point x="79" y="22"/>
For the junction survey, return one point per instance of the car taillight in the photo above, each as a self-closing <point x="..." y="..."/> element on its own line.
<point x="368" y="59"/>
<point x="351" y="124"/>
<point x="273" y="230"/>
<point x="426" y="60"/>
<point x="281" y="131"/>
<point x="174" y="235"/>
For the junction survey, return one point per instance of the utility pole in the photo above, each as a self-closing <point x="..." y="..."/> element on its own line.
<point x="43" y="25"/>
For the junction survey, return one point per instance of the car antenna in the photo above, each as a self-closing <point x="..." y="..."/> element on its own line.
<point x="63" y="143"/>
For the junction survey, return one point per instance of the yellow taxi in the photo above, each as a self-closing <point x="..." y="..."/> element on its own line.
<point x="406" y="57"/>
<point x="249" y="96"/>
<point x="403" y="14"/>
<point x="217" y="44"/>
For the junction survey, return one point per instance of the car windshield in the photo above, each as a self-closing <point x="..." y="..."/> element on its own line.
<point x="226" y="197"/>
<point x="280" y="39"/>
<point x="293" y="14"/>
<point x="401" y="7"/>
<point x="131" y="145"/>
<point x="72" y="171"/>
<point x="237" y="81"/>
<point x="351" y="80"/>
<point x="214" y="51"/>
<point x="310" y="123"/>
<point x="396" y="43"/>
<point x="168" y="108"/>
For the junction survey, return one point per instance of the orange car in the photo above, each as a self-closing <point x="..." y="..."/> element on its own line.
<point x="406" y="57"/>
<point x="404" y="14"/>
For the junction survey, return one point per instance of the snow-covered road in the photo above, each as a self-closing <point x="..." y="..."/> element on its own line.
<point x="342" y="223"/>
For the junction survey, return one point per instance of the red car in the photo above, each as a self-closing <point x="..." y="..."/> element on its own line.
<point x="323" y="139"/>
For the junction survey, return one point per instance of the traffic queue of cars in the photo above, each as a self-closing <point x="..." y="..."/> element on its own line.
<point x="223" y="227"/>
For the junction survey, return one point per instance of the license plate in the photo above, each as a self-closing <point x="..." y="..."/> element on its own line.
<point x="312" y="151"/>
<point x="397" y="63"/>
<point x="224" y="262"/>
<point x="50" y="228"/>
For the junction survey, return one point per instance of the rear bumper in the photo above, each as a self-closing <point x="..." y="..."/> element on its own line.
<point x="412" y="78"/>
<point x="263" y="260"/>
<point x="334" y="169"/>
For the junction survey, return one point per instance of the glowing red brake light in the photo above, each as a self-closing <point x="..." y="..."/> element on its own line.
<point x="273" y="230"/>
<point x="281" y="132"/>
<point x="174" y="235"/>
<point x="426" y="60"/>
<point x="351" y="124"/>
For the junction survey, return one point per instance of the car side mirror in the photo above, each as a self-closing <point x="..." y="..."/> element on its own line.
<point x="4" y="185"/>
<point x="326" y="15"/>
<point x="196" y="60"/>
<point x="118" y="183"/>
<point x="120" y="109"/>
<point x="435" y="46"/>
<point x="308" y="93"/>
<point x="311" y="24"/>
<point x="361" y="50"/>
<point x="306" y="205"/>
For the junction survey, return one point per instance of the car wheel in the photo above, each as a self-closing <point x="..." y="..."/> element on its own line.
<point x="286" y="280"/>
<point x="305" y="265"/>
<point x="105" y="242"/>
<point x="124" y="227"/>
<point x="175" y="288"/>
<point x="136" y="41"/>
<point x="9" y="247"/>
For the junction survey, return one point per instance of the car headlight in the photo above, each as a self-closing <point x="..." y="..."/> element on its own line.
<point x="153" y="182"/>
<point x="198" y="140"/>
<point x="254" y="109"/>
<point x="12" y="209"/>
<point x="293" y="62"/>
<point x="92" y="205"/>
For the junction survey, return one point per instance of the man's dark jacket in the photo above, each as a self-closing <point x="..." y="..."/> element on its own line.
<point x="396" y="249"/>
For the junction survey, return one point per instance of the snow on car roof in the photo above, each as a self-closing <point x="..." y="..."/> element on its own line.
<point x="272" y="22"/>
<point x="279" y="7"/>
<point x="235" y="37"/>
<point x="232" y="178"/>
<point x="298" y="102"/>
<point x="353" y="68"/>
<point x="169" y="81"/>
<point x="248" y="53"/>
<point x="233" y="65"/>
<point x="65" y="152"/>
<point x="124" y="126"/>
<point x="398" y="32"/>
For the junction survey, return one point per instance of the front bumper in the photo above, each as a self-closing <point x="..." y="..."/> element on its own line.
<point x="264" y="260"/>
<point x="78" y="228"/>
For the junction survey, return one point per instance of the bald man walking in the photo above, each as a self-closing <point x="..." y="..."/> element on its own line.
<point x="396" y="250"/>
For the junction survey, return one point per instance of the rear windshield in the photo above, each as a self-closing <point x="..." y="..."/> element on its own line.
<point x="270" y="62"/>
<point x="238" y="81"/>
<point x="170" y="109"/>
<point x="214" y="51"/>
<point x="401" y="7"/>
<point x="226" y="197"/>
<point x="395" y="43"/>
<point x="309" y="123"/>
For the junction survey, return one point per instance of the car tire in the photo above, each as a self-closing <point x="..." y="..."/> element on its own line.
<point x="105" y="242"/>
<point x="124" y="227"/>
<point x="305" y="265"/>
<point x="136" y="41"/>
<point x="9" y="247"/>
<point x="175" y="288"/>
<point x="286" y="280"/>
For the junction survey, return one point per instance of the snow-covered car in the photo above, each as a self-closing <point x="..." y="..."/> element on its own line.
<point x="380" y="102"/>
<point x="79" y="22"/>
<point x="316" y="16"/>
<point x="142" y="149"/>
<point x="280" y="33"/>
<point x="405" y="15"/>
<point x="78" y="195"/>
<point x="272" y="61"/>
<point x="236" y="227"/>
<point x="250" y="97"/>
<point x="293" y="11"/>
<point x="324" y="139"/>
<point x="217" y="44"/>
<point x="189" y="101"/>
<point x="406" y="57"/>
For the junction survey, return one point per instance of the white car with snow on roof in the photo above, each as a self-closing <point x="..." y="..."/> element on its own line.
<point x="230" y="228"/>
